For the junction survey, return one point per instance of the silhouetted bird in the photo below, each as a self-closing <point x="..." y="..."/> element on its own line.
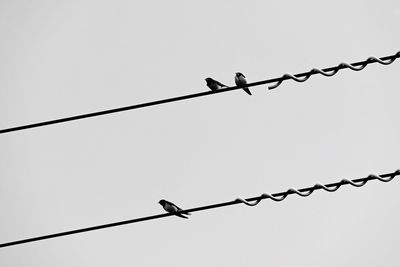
<point x="240" y="80"/>
<point x="172" y="208"/>
<point x="214" y="85"/>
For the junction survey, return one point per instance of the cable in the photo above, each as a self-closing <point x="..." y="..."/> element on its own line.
<point x="304" y="192"/>
<point x="357" y="66"/>
<point x="328" y="72"/>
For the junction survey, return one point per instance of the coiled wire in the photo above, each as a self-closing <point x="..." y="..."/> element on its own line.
<point x="333" y="70"/>
<point x="305" y="192"/>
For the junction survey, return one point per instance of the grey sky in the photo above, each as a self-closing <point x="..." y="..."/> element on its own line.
<point x="63" y="58"/>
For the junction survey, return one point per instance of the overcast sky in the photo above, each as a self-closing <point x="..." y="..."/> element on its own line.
<point x="64" y="58"/>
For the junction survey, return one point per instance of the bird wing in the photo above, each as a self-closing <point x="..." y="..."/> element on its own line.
<point x="220" y="84"/>
<point x="179" y="209"/>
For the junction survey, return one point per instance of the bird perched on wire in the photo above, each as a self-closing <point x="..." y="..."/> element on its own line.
<point x="240" y="80"/>
<point x="214" y="85"/>
<point x="172" y="208"/>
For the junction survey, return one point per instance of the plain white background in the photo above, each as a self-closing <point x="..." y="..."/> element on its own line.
<point x="64" y="58"/>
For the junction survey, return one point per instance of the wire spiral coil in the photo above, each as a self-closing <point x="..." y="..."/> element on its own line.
<point x="308" y="191"/>
<point x="332" y="71"/>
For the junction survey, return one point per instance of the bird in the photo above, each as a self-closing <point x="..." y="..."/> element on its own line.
<point x="214" y="85"/>
<point x="240" y="80"/>
<point x="172" y="208"/>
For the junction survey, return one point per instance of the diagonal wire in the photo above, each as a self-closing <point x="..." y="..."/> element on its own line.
<point x="300" y="77"/>
<point x="303" y="192"/>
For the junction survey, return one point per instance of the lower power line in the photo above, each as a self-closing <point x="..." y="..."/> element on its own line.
<point x="304" y="192"/>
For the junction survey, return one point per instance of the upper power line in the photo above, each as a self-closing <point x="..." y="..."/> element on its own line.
<point x="304" y="192"/>
<point x="300" y="77"/>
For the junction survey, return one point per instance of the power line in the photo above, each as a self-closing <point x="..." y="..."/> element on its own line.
<point x="300" y="77"/>
<point x="304" y="192"/>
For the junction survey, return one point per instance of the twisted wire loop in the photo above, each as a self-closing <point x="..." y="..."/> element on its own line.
<point x="261" y="197"/>
<point x="289" y="76"/>
<point x="383" y="62"/>
<point x="335" y="70"/>
<point x="355" y="184"/>
<point x="325" y="73"/>
<point x="385" y="180"/>
<point x="350" y="66"/>
<point x="321" y="186"/>
<point x="305" y="192"/>
<point x="248" y="203"/>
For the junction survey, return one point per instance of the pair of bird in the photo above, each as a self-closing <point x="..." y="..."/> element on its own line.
<point x="240" y="80"/>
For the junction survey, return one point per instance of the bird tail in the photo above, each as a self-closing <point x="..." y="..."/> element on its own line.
<point x="246" y="89"/>
<point x="181" y="215"/>
<point x="185" y="212"/>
